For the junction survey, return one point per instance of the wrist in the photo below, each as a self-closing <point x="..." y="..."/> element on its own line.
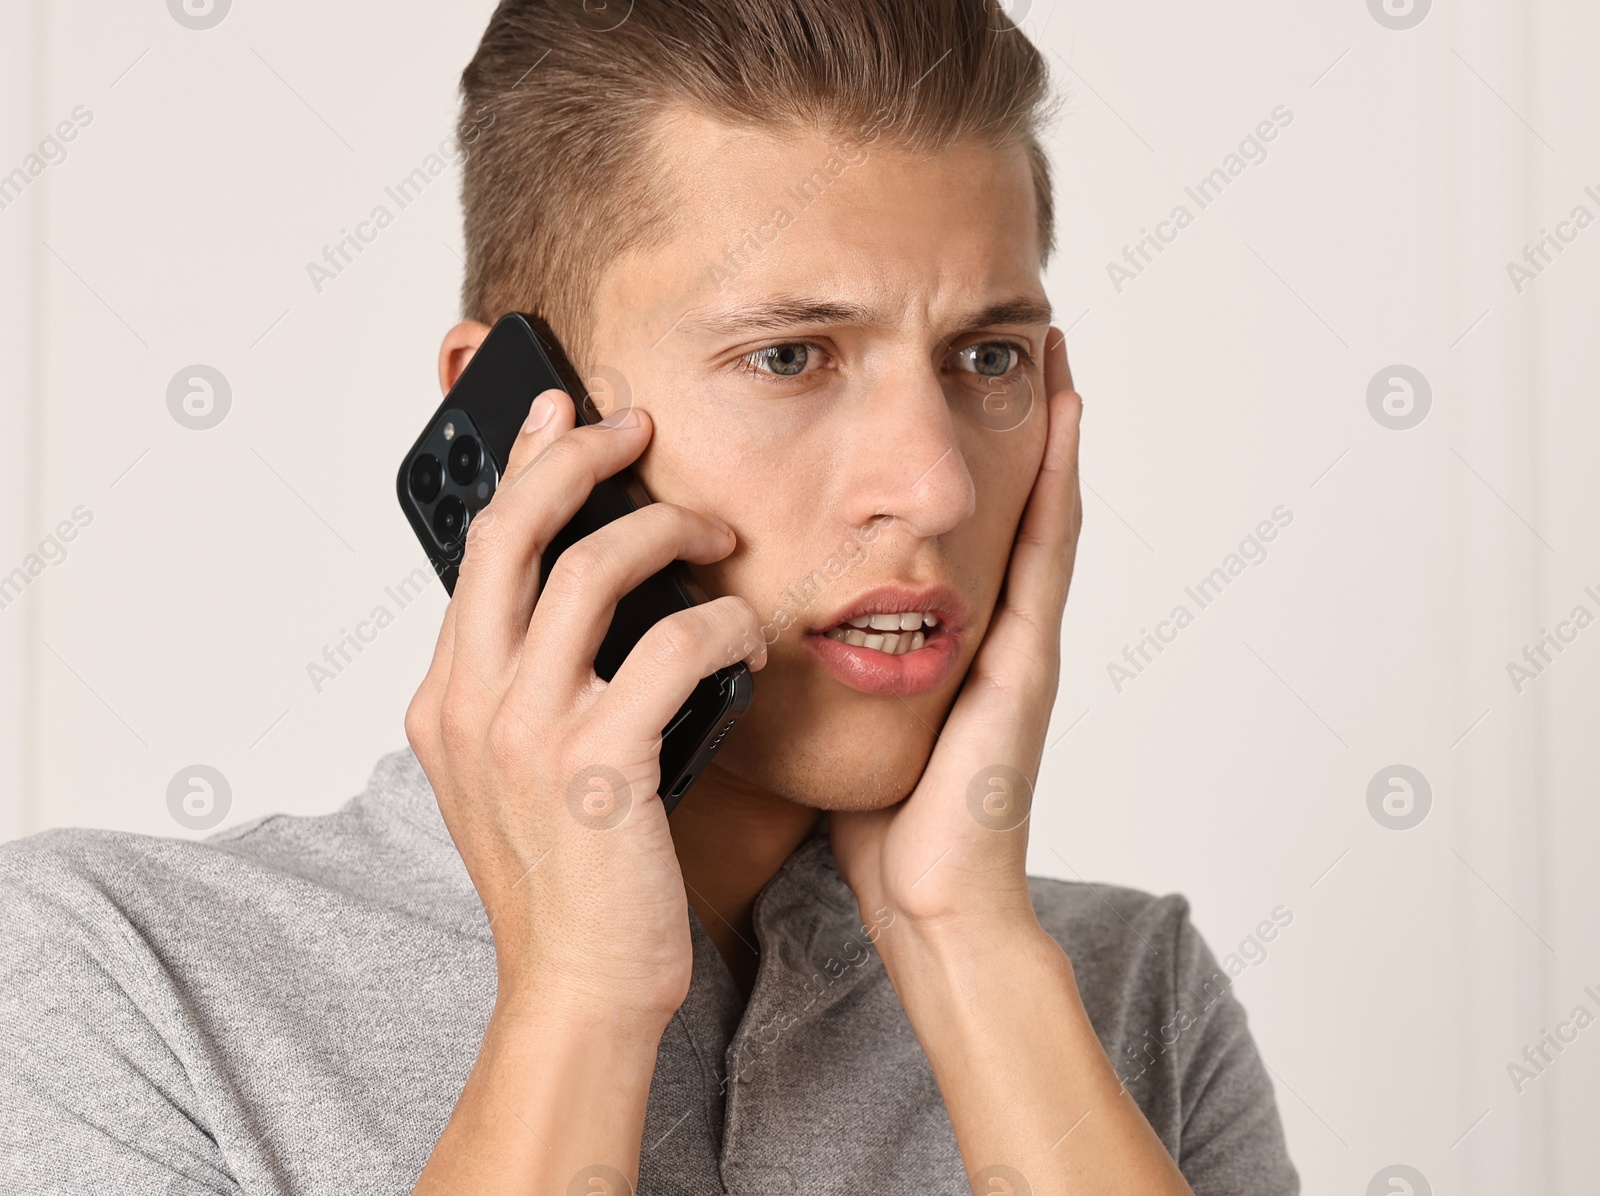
<point x="551" y="1008"/>
<point x="949" y="968"/>
<point x="956" y="941"/>
<point x="996" y="1004"/>
<point x="586" y="994"/>
<point x="556" y="1087"/>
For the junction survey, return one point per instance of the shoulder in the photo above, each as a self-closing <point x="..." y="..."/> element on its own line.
<point x="1110" y="930"/>
<point x="78" y="880"/>
<point x="114" y="885"/>
<point x="1165" y="1012"/>
<point x="1099" y="920"/>
<point x="1138" y="958"/>
<point x="1125" y="944"/>
<point x="160" y="996"/>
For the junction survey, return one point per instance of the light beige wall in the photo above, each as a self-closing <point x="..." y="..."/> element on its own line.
<point x="1228" y="378"/>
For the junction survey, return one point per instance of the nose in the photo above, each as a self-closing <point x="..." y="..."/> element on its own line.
<point x="906" y="460"/>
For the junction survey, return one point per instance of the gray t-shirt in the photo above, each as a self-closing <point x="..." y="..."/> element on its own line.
<point x="293" y="1005"/>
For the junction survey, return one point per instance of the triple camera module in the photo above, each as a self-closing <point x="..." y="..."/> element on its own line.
<point x="451" y="479"/>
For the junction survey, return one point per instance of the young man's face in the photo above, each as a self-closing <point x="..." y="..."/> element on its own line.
<point x="919" y="396"/>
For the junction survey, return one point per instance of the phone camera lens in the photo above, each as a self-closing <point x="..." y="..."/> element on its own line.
<point x="466" y="459"/>
<point x="427" y="477"/>
<point x="449" y="518"/>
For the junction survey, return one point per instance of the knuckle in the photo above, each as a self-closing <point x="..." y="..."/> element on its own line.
<point x="738" y="625"/>
<point x="486" y="536"/>
<point x="676" y="640"/>
<point x="742" y="612"/>
<point x="561" y="456"/>
<point x="457" y="724"/>
<point x="679" y="516"/>
<point x="580" y="567"/>
<point x="658" y="522"/>
<point x="563" y="453"/>
<point x="663" y="519"/>
<point x="505" y="735"/>
<point x="734" y="615"/>
<point x="422" y="724"/>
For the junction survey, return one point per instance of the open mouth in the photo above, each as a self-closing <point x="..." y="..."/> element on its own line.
<point x="893" y="634"/>
<point x="896" y="640"/>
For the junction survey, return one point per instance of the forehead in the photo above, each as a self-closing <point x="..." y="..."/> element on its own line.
<point x="755" y="210"/>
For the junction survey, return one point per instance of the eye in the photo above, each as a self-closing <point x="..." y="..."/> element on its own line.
<point x="788" y="360"/>
<point x="991" y="359"/>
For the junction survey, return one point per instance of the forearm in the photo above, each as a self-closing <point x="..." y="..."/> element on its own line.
<point x="1024" y="1078"/>
<point x="552" y="1092"/>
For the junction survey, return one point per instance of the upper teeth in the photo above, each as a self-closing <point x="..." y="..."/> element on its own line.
<point x="907" y="621"/>
<point x="895" y="634"/>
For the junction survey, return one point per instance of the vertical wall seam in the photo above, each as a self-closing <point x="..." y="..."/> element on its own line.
<point x="1536" y="350"/>
<point x="32" y="797"/>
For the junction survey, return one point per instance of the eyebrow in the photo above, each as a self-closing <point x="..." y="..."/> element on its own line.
<point x="784" y="312"/>
<point x="788" y="312"/>
<point x="1024" y="309"/>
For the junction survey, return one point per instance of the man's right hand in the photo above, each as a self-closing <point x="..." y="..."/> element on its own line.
<point x="545" y="774"/>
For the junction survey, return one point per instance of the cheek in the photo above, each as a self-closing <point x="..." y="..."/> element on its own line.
<point x="692" y="462"/>
<point x="1004" y="466"/>
<point x="745" y="481"/>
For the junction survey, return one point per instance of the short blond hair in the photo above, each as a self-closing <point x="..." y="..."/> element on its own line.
<point x="561" y="99"/>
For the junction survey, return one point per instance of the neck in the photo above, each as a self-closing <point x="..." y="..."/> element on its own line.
<point x="731" y="838"/>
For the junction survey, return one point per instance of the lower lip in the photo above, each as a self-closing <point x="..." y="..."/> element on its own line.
<point x="874" y="672"/>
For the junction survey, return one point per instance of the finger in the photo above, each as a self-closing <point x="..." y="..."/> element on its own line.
<point x="1057" y="372"/>
<point x="499" y="575"/>
<point x="591" y="577"/>
<point x="668" y="662"/>
<point x="1040" y="571"/>
<point x="423" y="729"/>
<point x="550" y="417"/>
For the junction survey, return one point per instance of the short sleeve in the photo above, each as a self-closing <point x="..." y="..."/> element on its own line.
<point x="1232" y="1140"/>
<point x="92" y="1099"/>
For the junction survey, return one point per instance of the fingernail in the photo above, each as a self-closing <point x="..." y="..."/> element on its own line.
<point x="715" y="522"/>
<point x="626" y="418"/>
<point x="539" y="414"/>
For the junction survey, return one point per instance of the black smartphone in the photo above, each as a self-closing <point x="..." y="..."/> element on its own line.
<point x="452" y="470"/>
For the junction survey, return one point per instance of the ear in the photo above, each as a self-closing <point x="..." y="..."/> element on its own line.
<point x="460" y="343"/>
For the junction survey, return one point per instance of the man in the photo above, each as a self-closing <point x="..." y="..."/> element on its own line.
<point x="802" y="243"/>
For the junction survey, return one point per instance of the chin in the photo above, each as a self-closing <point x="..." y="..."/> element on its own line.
<point x="836" y="770"/>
